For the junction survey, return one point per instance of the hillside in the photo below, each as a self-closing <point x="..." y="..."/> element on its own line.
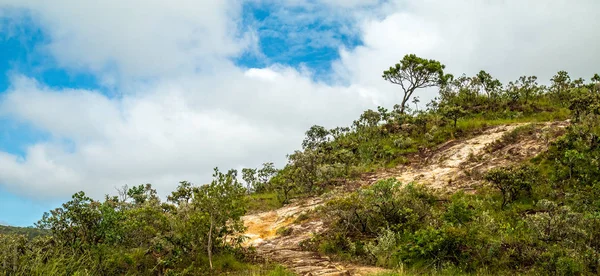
<point x="488" y="179"/>
<point x="453" y="166"/>
<point x="29" y="232"/>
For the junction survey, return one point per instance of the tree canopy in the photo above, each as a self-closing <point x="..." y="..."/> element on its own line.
<point x="412" y="73"/>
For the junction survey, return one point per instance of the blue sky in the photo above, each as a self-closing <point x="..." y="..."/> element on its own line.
<point x="98" y="94"/>
<point x="22" y="52"/>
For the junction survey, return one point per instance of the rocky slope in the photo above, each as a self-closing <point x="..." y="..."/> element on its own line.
<point x="455" y="165"/>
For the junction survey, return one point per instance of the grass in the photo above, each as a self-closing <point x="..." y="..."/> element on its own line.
<point x="280" y="271"/>
<point x="511" y="137"/>
<point x="284" y="231"/>
<point x="29" y="232"/>
<point x="301" y="218"/>
<point x="263" y="202"/>
<point x="263" y="270"/>
<point x="448" y="271"/>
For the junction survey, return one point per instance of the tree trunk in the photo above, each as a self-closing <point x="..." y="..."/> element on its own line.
<point x="209" y="246"/>
<point x="404" y="100"/>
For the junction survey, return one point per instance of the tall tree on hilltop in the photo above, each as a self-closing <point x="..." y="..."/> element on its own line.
<point x="487" y="83"/>
<point x="414" y="72"/>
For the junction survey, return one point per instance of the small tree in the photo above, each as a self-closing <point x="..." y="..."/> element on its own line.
<point x="528" y="87"/>
<point x="595" y="85"/>
<point x="583" y="103"/>
<point x="305" y="166"/>
<point x="512" y="181"/>
<point x="571" y="159"/>
<point x="249" y="176"/>
<point x="488" y="84"/>
<point x="453" y="113"/>
<point x="413" y="72"/>
<point x="561" y="81"/>
<point x="221" y="203"/>
<point x="284" y="183"/>
<point x="182" y="195"/>
<point x="264" y="176"/>
<point x="416" y="102"/>
<point x="316" y="137"/>
<point x="579" y="83"/>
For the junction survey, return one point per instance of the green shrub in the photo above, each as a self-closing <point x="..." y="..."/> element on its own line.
<point x="458" y="211"/>
<point x="513" y="182"/>
<point x="284" y="231"/>
<point x="384" y="247"/>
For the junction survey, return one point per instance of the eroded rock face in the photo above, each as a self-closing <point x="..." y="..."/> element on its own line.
<point x="286" y="250"/>
<point x="456" y="165"/>
<point x="459" y="165"/>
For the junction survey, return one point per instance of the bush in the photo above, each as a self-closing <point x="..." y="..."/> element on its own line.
<point x="384" y="247"/>
<point x="284" y="231"/>
<point x="458" y="212"/>
<point x="432" y="246"/>
<point x="513" y="182"/>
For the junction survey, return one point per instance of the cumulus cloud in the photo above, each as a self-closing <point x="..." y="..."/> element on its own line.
<point x="139" y="38"/>
<point x="506" y="38"/>
<point x="171" y="132"/>
<point x="186" y="107"/>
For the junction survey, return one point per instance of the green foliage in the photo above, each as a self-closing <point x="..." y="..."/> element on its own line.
<point x="221" y="203"/>
<point x="386" y="204"/>
<point x="548" y="223"/>
<point x="257" y="180"/>
<point x="453" y="113"/>
<point x="550" y="226"/>
<point x="262" y="202"/>
<point x="436" y="245"/>
<point x="413" y="72"/>
<point x="488" y="84"/>
<point x="284" y="231"/>
<point x="383" y="247"/>
<point x="511" y="137"/>
<point x="135" y="233"/>
<point x="284" y="184"/>
<point x="584" y="103"/>
<point x="30" y="232"/>
<point x="280" y="271"/>
<point x="459" y="212"/>
<point x="513" y="182"/>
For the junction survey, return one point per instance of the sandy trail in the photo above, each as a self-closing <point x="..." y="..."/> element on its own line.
<point x="262" y="234"/>
<point x="452" y="166"/>
<point x="447" y="165"/>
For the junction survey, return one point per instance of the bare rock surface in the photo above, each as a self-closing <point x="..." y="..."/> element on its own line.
<point x="455" y="165"/>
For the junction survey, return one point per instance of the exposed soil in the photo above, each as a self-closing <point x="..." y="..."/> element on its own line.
<point x="455" y="165"/>
<point x="286" y="250"/>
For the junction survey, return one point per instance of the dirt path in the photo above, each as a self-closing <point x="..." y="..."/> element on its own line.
<point x="459" y="165"/>
<point x="286" y="250"/>
<point x="446" y="167"/>
<point x="454" y="165"/>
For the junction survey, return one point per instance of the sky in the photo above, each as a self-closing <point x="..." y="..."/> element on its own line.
<point x="98" y="94"/>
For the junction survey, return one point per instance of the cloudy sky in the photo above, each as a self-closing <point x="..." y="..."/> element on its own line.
<point x="98" y="94"/>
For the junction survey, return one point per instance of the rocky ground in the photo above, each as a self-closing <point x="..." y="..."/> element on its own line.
<point x="455" y="165"/>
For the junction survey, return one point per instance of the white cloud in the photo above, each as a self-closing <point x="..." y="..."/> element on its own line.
<point x="173" y="131"/>
<point x="506" y="38"/>
<point x="139" y="38"/>
<point x="195" y="109"/>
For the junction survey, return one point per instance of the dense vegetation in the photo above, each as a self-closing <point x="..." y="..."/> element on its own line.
<point x="538" y="217"/>
<point x="30" y="232"/>
<point x="134" y="233"/>
<point x="541" y="216"/>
